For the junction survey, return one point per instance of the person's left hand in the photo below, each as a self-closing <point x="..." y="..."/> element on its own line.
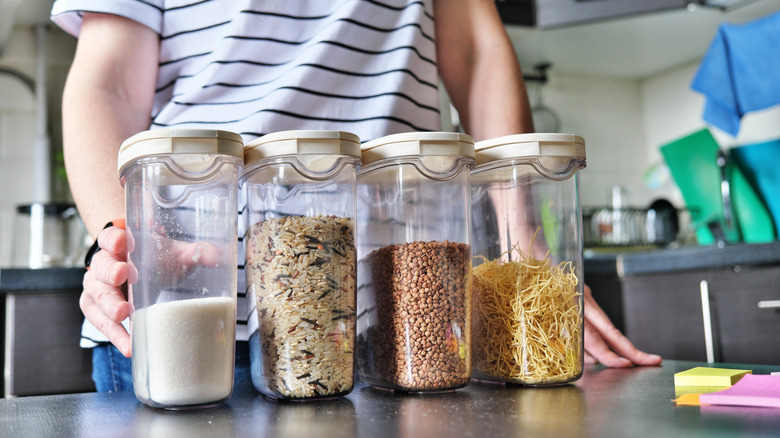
<point x="605" y="344"/>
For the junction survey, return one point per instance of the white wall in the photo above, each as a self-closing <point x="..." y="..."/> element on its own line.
<point x="17" y="123"/>
<point x="608" y="114"/>
<point x="626" y="121"/>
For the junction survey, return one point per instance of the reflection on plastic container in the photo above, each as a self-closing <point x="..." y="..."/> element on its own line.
<point x="407" y="415"/>
<point x="155" y="423"/>
<point x="333" y="418"/>
<point x="434" y="416"/>
<point x="552" y="412"/>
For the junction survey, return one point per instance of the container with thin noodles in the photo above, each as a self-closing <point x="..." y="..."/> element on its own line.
<point x="527" y="289"/>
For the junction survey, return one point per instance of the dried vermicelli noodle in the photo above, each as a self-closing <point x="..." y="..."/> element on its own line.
<point x="527" y="321"/>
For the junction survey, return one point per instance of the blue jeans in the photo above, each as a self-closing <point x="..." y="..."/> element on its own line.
<point x="112" y="371"/>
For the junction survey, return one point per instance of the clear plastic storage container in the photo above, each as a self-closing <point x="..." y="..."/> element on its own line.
<point x="414" y="262"/>
<point x="181" y="192"/>
<point x="527" y="245"/>
<point x="300" y="262"/>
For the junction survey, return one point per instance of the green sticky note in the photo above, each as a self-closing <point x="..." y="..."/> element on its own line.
<point x="704" y="376"/>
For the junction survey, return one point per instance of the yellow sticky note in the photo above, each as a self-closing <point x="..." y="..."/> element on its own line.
<point x="682" y="390"/>
<point x="705" y="376"/>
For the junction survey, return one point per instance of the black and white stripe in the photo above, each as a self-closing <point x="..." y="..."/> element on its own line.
<point x="260" y="66"/>
<point x="254" y="67"/>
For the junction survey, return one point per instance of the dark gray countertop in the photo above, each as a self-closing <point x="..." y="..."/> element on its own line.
<point x="691" y="258"/>
<point x="600" y="263"/>
<point x="624" y="262"/>
<point x="628" y="261"/>
<point x="45" y="279"/>
<point x="633" y="402"/>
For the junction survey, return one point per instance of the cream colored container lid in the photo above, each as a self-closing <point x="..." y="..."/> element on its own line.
<point x="535" y="145"/>
<point x="302" y="142"/>
<point x="452" y="144"/>
<point x="179" y="141"/>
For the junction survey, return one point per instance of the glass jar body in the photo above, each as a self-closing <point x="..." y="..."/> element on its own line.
<point x="182" y="251"/>
<point x="301" y="276"/>
<point x="414" y="316"/>
<point x="527" y="301"/>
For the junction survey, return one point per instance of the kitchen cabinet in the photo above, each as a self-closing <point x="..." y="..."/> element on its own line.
<point x="40" y="328"/>
<point x="637" y="46"/>
<point x="545" y="14"/>
<point x="600" y="274"/>
<point x="665" y="309"/>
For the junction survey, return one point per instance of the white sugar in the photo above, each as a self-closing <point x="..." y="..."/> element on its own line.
<point x="183" y="351"/>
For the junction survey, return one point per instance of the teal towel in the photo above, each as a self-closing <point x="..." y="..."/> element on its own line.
<point x="740" y="72"/>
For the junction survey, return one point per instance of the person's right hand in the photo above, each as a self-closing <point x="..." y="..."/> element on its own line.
<point x="104" y="299"/>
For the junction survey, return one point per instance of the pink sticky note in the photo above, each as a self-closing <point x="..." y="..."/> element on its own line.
<point x="752" y="390"/>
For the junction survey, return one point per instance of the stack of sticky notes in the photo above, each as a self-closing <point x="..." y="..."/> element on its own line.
<point x="690" y="384"/>
<point x="726" y="387"/>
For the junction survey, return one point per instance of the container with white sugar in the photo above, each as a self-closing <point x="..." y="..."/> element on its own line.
<point x="181" y="192"/>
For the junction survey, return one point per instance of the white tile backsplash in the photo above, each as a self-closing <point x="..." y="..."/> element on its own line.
<point x="17" y="136"/>
<point x="17" y="189"/>
<point x="18" y="121"/>
<point x="15" y="94"/>
<point x="607" y="112"/>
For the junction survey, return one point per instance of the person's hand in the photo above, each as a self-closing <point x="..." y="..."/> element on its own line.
<point x="103" y="300"/>
<point x="605" y="344"/>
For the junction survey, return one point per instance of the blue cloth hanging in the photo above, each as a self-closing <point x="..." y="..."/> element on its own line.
<point x="740" y="72"/>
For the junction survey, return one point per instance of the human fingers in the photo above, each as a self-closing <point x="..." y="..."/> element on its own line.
<point x="105" y="306"/>
<point x="200" y="253"/>
<point x="114" y="241"/>
<point x="599" y="351"/>
<point x="605" y="338"/>
<point x="108" y="266"/>
<point x="103" y="301"/>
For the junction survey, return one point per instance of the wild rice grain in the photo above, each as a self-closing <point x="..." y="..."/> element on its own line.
<point x="301" y="272"/>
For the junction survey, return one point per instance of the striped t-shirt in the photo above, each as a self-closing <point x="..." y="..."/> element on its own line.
<point x="260" y="66"/>
<point x="254" y="67"/>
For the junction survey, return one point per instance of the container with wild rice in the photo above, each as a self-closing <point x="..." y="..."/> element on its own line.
<point x="527" y="301"/>
<point x="414" y="262"/>
<point x="299" y="189"/>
